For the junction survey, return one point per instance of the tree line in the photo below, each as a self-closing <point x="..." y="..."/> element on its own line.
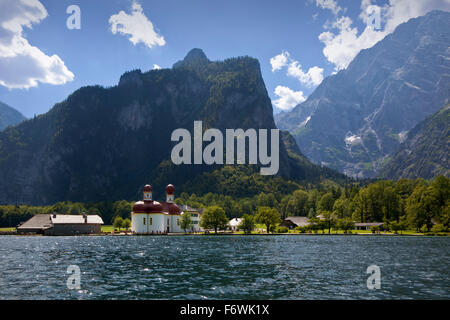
<point x="416" y="204"/>
<point x="405" y="204"/>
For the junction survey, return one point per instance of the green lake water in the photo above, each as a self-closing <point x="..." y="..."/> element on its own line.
<point x="224" y="267"/>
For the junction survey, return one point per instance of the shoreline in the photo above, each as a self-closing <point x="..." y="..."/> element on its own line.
<point x="14" y="233"/>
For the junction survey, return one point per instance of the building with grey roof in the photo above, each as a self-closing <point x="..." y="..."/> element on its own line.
<point x="61" y="225"/>
<point x="293" y="222"/>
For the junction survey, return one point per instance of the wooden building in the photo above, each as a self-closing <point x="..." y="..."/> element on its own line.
<point x="367" y="225"/>
<point x="61" y="225"/>
<point x="293" y="222"/>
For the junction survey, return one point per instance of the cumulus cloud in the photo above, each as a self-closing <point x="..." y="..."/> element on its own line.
<point x="156" y="67"/>
<point x="22" y="65"/>
<point x="341" y="46"/>
<point x="287" y="98"/>
<point x="279" y="61"/>
<point x="137" y="26"/>
<point x="331" y="5"/>
<point x="313" y="77"/>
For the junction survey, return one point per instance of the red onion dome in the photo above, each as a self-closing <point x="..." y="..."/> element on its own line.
<point x="147" y="207"/>
<point x="170" y="189"/>
<point x="148" y="188"/>
<point x="171" y="208"/>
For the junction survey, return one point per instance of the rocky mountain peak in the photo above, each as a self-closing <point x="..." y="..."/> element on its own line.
<point x="9" y="116"/>
<point x="194" y="57"/>
<point x="357" y="118"/>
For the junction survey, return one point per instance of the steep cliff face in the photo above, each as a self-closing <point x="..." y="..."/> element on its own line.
<point x="426" y="151"/>
<point x="105" y="143"/>
<point x="9" y="116"/>
<point x="355" y="119"/>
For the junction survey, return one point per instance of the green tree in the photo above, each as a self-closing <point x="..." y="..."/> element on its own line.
<point x="341" y="208"/>
<point x="326" y="202"/>
<point x="122" y="209"/>
<point x="77" y="208"/>
<point x="311" y="213"/>
<point x="298" y="204"/>
<point x="440" y="191"/>
<point x="438" y="228"/>
<point x="215" y="218"/>
<point x="329" y="219"/>
<point x="266" y="200"/>
<point x="421" y="207"/>
<point x="315" y="224"/>
<point x="247" y="224"/>
<point x="186" y="221"/>
<point x="118" y="223"/>
<point x="345" y="225"/>
<point x="270" y="217"/>
<point x="126" y="223"/>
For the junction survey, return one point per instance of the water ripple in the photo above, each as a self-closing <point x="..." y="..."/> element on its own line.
<point x="224" y="267"/>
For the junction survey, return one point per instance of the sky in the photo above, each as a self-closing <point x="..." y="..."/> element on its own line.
<point x="50" y="48"/>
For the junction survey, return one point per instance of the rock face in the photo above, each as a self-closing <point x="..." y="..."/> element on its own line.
<point x="355" y="119"/>
<point x="103" y="144"/>
<point x="426" y="151"/>
<point x="9" y="116"/>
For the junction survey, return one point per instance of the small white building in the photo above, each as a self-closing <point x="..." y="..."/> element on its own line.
<point x="234" y="224"/>
<point x="195" y="217"/>
<point x="153" y="217"/>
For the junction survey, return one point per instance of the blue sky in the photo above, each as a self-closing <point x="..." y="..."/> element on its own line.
<point x="299" y="31"/>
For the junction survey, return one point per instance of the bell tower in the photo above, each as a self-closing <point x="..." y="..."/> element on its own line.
<point x="170" y="189"/>
<point x="148" y="193"/>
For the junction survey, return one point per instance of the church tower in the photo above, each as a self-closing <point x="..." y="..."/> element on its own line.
<point x="170" y="190"/>
<point x="148" y="193"/>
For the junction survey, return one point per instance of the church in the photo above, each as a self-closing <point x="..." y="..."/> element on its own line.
<point x="153" y="217"/>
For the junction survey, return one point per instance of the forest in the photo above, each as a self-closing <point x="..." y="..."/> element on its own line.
<point x="417" y="204"/>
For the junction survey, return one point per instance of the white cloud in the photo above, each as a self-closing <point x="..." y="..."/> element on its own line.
<point x="279" y="61"/>
<point x="137" y="25"/>
<point x="400" y="11"/>
<point x="331" y="5"/>
<point x="313" y="77"/>
<point x="342" y="47"/>
<point x="287" y="98"/>
<point x="22" y="65"/>
<point x="156" y="67"/>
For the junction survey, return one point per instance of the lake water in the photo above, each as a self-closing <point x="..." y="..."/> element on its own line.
<point x="224" y="267"/>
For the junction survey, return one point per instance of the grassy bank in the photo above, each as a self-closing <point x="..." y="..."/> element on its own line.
<point x="7" y="229"/>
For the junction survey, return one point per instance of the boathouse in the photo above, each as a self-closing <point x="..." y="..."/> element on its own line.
<point x="61" y="225"/>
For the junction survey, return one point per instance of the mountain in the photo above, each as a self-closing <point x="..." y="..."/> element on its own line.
<point x="425" y="152"/>
<point x="358" y="117"/>
<point x="104" y="144"/>
<point x="9" y="116"/>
